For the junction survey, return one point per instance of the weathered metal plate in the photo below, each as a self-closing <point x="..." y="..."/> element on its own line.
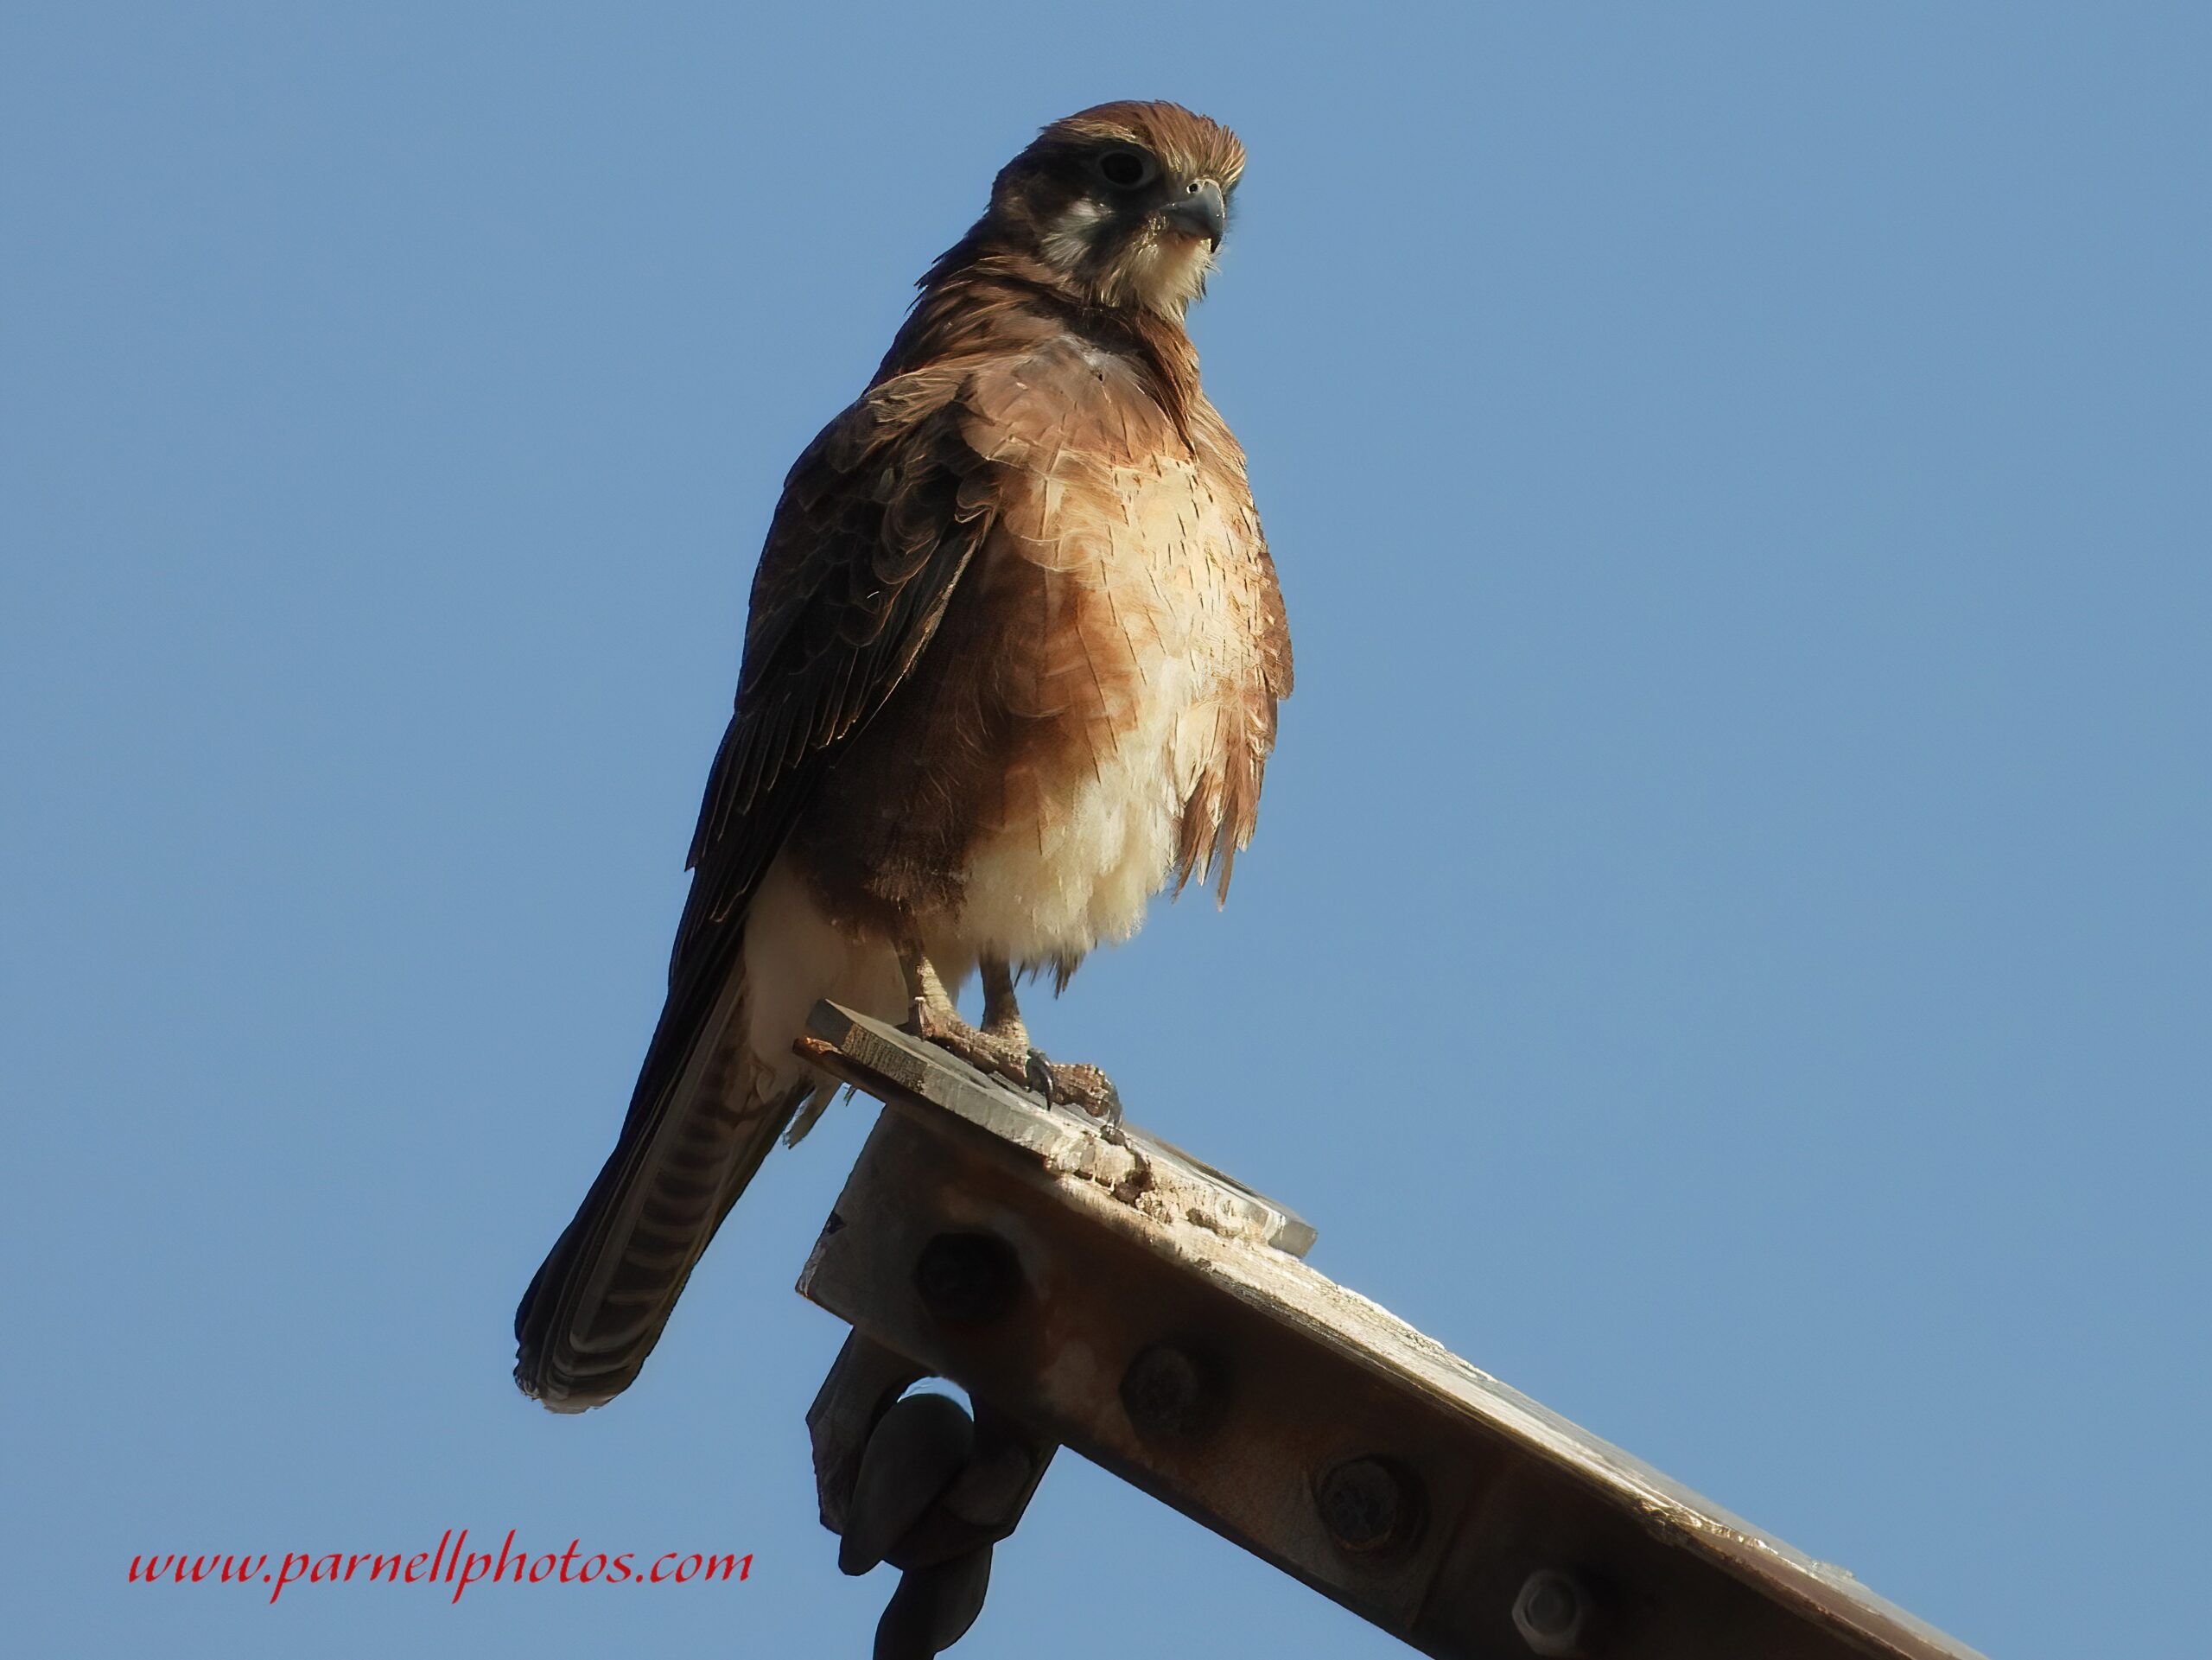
<point x="1066" y="1143"/>
<point x="1289" y="1414"/>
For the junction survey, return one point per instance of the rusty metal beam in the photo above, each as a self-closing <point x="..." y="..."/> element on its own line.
<point x="1104" y="1291"/>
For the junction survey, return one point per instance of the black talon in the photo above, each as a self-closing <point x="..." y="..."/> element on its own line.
<point x="1037" y="1071"/>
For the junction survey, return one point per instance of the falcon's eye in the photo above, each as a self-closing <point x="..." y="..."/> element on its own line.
<point x="1127" y="169"/>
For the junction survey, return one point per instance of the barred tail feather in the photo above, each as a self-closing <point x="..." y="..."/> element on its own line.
<point x="599" y="1303"/>
<point x="719" y="1085"/>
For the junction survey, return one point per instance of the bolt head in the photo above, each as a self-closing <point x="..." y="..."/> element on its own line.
<point x="1369" y="1505"/>
<point x="1552" y="1613"/>
<point x="967" y="1278"/>
<point x="1168" y="1392"/>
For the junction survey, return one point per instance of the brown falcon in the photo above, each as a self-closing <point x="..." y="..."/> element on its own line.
<point x="1012" y="666"/>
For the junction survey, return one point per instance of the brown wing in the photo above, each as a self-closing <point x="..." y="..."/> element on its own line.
<point x="879" y="519"/>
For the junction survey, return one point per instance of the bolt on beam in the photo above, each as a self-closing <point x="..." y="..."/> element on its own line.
<point x="1104" y="1291"/>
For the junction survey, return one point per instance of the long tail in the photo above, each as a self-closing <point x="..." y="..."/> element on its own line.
<point x="704" y="1115"/>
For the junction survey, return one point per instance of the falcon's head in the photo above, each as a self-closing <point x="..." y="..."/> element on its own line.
<point x="1125" y="204"/>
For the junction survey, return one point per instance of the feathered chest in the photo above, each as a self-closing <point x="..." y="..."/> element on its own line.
<point x="1096" y="702"/>
<point x="1129" y="600"/>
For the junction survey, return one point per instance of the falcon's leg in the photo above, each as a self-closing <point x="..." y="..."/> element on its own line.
<point x="1001" y="1046"/>
<point x="995" y="1049"/>
<point x="1072" y="1086"/>
<point x="1002" y="1015"/>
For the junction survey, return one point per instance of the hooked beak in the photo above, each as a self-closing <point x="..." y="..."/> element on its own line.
<point x="1201" y="212"/>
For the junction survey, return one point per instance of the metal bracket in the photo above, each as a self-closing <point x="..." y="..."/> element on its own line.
<point x="1098" y="1288"/>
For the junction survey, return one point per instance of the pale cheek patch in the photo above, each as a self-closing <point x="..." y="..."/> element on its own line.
<point x="1162" y="273"/>
<point x="1068" y="243"/>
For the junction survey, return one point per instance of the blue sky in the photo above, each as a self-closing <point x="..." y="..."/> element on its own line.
<point x="1726" y="946"/>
